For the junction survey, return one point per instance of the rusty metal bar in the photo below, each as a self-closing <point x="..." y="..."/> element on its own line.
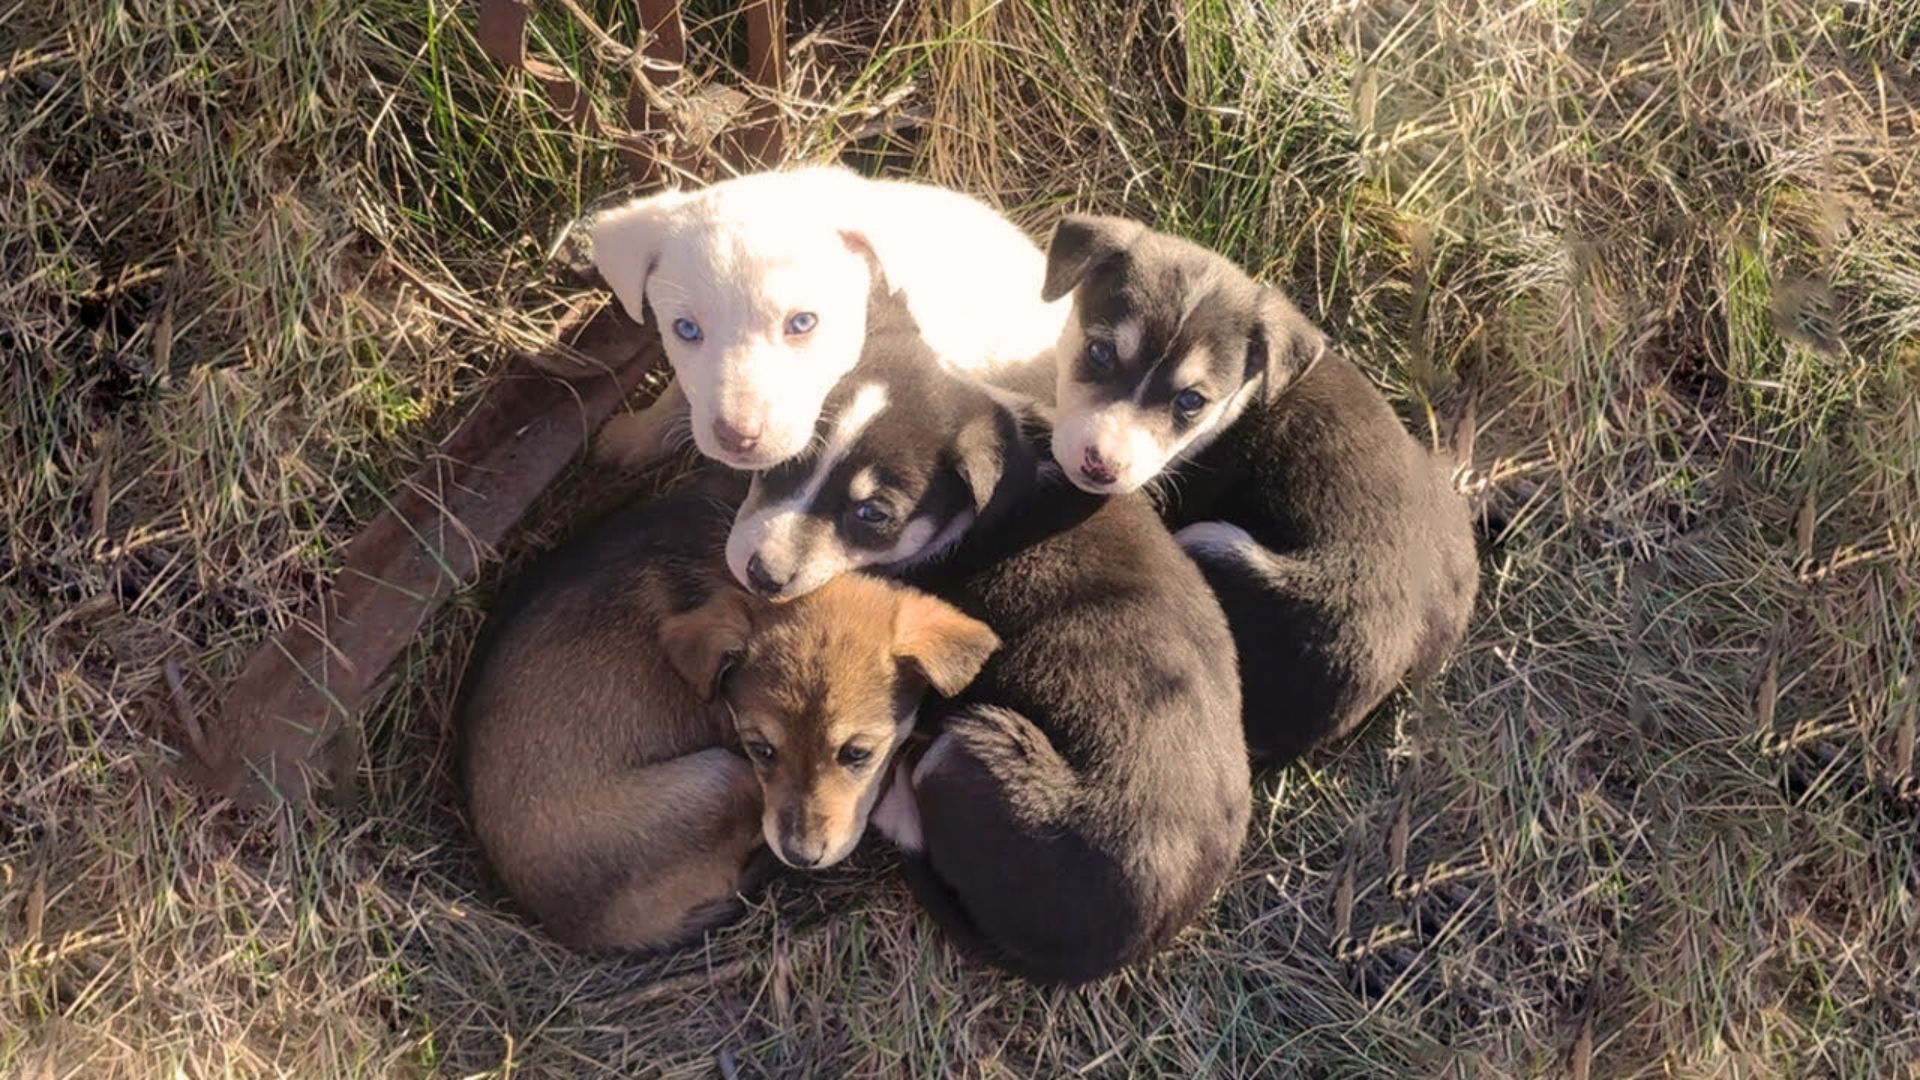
<point x="765" y="138"/>
<point x="274" y="733"/>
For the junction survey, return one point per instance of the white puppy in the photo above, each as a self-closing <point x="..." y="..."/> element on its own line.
<point x="760" y="286"/>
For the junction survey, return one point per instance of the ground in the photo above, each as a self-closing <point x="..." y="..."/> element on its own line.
<point x="1658" y="817"/>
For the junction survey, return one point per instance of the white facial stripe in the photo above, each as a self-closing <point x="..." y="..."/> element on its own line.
<point x="868" y="402"/>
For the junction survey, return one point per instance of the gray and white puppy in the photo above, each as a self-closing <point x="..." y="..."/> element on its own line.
<point x="1334" y="540"/>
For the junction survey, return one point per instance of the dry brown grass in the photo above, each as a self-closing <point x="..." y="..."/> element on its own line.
<point x="1660" y="817"/>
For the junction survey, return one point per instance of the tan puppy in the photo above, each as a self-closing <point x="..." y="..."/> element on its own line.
<point x="635" y="728"/>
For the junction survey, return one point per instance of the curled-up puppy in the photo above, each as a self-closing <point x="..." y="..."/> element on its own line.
<point x="760" y="288"/>
<point x="1336" y="543"/>
<point x="1086" y="795"/>
<point x="637" y="731"/>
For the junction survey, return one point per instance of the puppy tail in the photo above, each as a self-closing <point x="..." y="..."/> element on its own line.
<point x="1491" y="510"/>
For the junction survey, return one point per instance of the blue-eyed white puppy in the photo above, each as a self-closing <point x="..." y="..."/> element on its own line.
<point x="760" y="288"/>
<point x="1335" y="541"/>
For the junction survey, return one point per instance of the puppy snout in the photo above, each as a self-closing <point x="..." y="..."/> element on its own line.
<point x="802" y="845"/>
<point x="763" y="580"/>
<point x="802" y="855"/>
<point x="1098" y="468"/>
<point x="738" y="440"/>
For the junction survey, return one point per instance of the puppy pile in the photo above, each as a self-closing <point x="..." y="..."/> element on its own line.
<point x="917" y="586"/>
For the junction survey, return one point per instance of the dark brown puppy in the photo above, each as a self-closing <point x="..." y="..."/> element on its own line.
<point x="634" y="727"/>
<point x="1342" y="555"/>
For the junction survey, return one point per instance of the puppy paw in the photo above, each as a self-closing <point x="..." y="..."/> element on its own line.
<point x="896" y="816"/>
<point x="1215" y="538"/>
<point x="629" y="441"/>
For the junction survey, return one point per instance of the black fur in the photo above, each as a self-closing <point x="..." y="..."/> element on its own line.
<point x="1096" y="795"/>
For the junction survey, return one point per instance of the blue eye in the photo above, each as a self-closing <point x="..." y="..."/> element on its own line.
<point x="1100" y="356"/>
<point x="1188" y="402"/>
<point x="686" y="329"/>
<point x="870" y="512"/>
<point x="801" y="322"/>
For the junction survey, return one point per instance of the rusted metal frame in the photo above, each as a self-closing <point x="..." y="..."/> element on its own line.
<point x="280" y="716"/>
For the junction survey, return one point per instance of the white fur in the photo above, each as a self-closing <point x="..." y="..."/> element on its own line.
<point x="897" y="816"/>
<point x="742" y="256"/>
<point x="1219" y="542"/>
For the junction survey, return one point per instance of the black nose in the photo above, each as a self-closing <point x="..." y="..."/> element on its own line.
<point x="805" y="860"/>
<point x="762" y="581"/>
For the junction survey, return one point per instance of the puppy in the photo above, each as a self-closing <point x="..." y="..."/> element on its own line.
<point x="635" y="729"/>
<point x="1087" y="794"/>
<point x="760" y="285"/>
<point x="1336" y="543"/>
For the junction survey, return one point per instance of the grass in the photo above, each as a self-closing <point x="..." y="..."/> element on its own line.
<point x="1658" y="818"/>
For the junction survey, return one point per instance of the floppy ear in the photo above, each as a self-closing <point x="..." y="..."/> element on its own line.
<point x="1080" y="242"/>
<point x="1283" y="344"/>
<point x="981" y="455"/>
<point x="945" y="646"/>
<point x="704" y="643"/>
<point x="626" y="245"/>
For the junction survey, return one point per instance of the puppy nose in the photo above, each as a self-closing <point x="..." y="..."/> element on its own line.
<point x="736" y="440"/>
<point x="1097" y="468"/>
<point x="799" y="856"/>
<point x="762" y="579"/>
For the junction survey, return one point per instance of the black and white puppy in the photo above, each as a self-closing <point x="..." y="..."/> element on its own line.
<point x="1335" y="541"/>
<point x="1085" y="797"/>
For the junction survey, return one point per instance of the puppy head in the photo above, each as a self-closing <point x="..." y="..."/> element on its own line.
<point x="1167" y="345"/>
<point x="905" y="460"/>
<point x="823" y="692"/>
<point x="760" y="288"/>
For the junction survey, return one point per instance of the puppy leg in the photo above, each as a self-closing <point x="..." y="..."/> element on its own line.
<point x="1217" y="541"/>
<point x="677" y="837"/>
<point x="1318" y="649"/>
<point x="636" y="440"/>
<point x="897" y="816"/>
<point x="1003" y="861"/>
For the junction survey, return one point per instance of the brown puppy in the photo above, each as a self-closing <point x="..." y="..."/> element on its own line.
<point x="606" y="710"/>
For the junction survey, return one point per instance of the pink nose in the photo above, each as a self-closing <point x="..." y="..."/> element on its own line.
<point x="736" y="440"/>
<point x="1097" y="468"/>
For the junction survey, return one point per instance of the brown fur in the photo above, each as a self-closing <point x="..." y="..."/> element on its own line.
<point x="606" y="712"/>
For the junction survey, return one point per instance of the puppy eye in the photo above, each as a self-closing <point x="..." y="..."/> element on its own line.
<point x="851" y="755"/>
<point x="871" y="513"/>
<point x="1188" y="402"/>
<point x="760" y="751"/>
<point x="802" y="322"/>
<point x="1100" y="356"/>
<point x="686" y="329"/>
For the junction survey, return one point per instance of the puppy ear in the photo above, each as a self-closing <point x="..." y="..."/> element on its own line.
<point x="626" y="246"/>
<point x="981" y="455"/>
<point x="943" y="645"/>
<point x="703" y="644"/>
<point x="1283" y="344"/>
<point x="1081" y="242"/>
